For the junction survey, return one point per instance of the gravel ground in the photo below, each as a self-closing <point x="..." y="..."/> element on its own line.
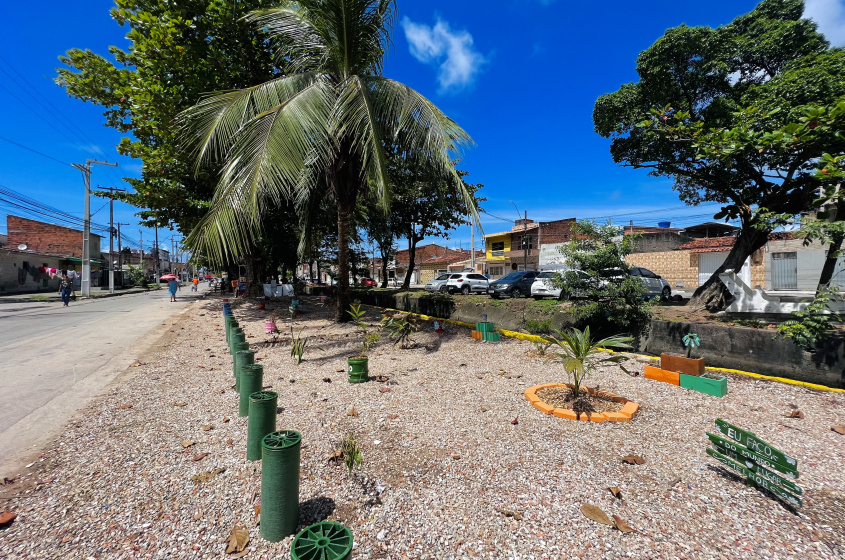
<point x="457" y="463"/>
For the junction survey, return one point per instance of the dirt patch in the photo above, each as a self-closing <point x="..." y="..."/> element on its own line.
<point x="561" y="397"/>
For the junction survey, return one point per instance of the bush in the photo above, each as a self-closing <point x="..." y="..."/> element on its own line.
<point x="538" y="326"/>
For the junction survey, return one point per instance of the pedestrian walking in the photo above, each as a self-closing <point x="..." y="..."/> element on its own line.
<point x="195" y="287"/>
<point x="172" y="286"/>
<point x="66" y="290"/>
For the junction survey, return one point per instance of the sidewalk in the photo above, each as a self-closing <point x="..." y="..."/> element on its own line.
<point x="53" y="297"/>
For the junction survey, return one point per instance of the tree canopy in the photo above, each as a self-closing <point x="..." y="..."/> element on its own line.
<point x="703" y="98"/>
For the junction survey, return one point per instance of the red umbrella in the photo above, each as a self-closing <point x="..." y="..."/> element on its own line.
<point x="169" y="277"/>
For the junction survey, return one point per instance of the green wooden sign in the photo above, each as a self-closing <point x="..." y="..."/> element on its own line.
<point x="757" y="445"/>
<point x="751" y="456"/>
<point x="762" y="471"/>
<point x="756" y="479"/>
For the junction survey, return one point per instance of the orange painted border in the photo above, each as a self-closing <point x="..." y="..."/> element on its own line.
<point x="629" y="410"/>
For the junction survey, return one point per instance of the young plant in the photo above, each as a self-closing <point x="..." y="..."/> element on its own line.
<point x="351" y="452"/>
<point x="357" y="315"/>
<point x="542" y="348"/>
<point x="811" y="325"/>
<point x="400" y="329"/>
<point x="297" y="350"/>
<point x="367" y="344"/>
<point x="581" y="355"/>
<point x="690" y="340"/>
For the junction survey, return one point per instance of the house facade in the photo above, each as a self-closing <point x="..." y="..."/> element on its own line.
<point x="520" y="248"/>
<point x="429" y="262"/>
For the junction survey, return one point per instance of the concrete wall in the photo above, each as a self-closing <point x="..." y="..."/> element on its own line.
<point x="658" y="242"/>
<point x="19" y="272"/>
<point x="754" y="350"/>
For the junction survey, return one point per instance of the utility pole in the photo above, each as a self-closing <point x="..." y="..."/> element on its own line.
<point x="158" y="259"/>
<point x="120" y="252"/>
<point x="86" y="231"/>
<point x="472" y="253"/>
<point x="111" y="190"/>
<point x="143" y="269"/>
<point x="525" y="239"/>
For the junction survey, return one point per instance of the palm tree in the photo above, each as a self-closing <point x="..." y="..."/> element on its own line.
<point x="320" y="129"/>
<point x="581" y="355"/>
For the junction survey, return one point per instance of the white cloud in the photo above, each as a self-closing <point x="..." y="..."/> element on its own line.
<point x="453" y="51"/>
<point x="830" y="15"/>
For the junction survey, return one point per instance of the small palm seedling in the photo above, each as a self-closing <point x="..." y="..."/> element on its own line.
<point x="541" y="348"/>
<point x="297" y="349"/>
<point x="581" y="355"/>
<point x="351" y="452"/>
<point x="690" y="340"/>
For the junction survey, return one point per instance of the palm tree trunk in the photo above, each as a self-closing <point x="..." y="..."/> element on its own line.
<point x="832" y="251"/>
<point x="343" y="297"/>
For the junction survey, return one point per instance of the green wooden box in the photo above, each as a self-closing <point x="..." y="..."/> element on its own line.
<point x="485" y="327"/>
<point x="707" y="383"/>
<point x="491" y="336"/>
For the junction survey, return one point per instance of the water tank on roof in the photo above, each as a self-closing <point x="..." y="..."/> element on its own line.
<point x="664" y="224"/>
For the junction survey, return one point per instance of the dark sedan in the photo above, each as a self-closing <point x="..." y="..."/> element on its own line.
<point x="515" y="284"/>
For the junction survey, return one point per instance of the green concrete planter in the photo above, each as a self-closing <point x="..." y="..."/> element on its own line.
<point x="359" y="371"/>
<point x="485" y="327"/>
<point x="491" y="336"/>
<point x="243" y="356"/>
<point x="280" y="484"/>
<point x="251" y="381"/>
<point x="708" y="383"/>
<point x="327" y="540"/>
<point x="262" y="421"/>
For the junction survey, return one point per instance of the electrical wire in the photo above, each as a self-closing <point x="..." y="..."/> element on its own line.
<point x="35" y="151"/>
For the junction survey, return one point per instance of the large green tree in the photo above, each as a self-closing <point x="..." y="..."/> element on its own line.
<point x="700" y="84"/>
<point x="178" y="51"/>
<point x="320" y="128"/>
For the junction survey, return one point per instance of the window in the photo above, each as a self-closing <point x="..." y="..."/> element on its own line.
<point x="476" y="277"/>
<point x="526" y="242"/>
<point x="497" y="249"/>
<point x="647" y="273"/>
<point x="495" y="270"/>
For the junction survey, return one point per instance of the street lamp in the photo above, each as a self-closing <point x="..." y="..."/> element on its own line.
<point x="524" y="236"/>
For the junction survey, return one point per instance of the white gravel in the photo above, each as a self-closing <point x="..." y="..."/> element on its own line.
<point x="442" y="458"/>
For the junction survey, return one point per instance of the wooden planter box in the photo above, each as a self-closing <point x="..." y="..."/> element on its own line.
<point x="663" y="375"/>
<point x="682" y="364"/>
<point x="708" y="383"/>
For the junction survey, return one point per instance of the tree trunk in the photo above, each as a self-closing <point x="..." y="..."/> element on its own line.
<point x="412" y="250"/>
<point x="832" y="250"/>
<point x="311" y="271"/>
<point x="384" y="269"/>
<point x="343" y="296"/>
<point x="713" y="295"/>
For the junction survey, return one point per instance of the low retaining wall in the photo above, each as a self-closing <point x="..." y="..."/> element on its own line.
<point x="754" y="350"/>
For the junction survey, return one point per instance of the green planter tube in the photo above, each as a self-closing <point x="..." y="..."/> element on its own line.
<point x="231" y="323"/>
<point x="237" y="336"/>
<point x="326" y="540"/>
<point x="251" y="381"/>
<point x="243" y="356"/>
<point x="262" y="421"/>
<point x="359" y="371"/>
<point x="280" y="484"/>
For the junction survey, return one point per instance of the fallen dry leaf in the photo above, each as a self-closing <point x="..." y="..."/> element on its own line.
<point x="237" y="540"/>
<point x="353" y="412"/>
<point x="795" y="414"/>
<point x="339" y="370"/>
<point x="225" y="418"/>
<point x="257" y="509"/>
<point x="240" y="554"/>
<point x="6" y="480"/>
<point x="622" y="525"/>
<point x="336" y="456"/>
<point x="617" y="493"/>
<point x="633" y="459"/>
<point x="180" y="404"/>
<point x="839" y="429"/>
<point x="596" y="514"/>
<point x="382" y="378"/>
<point x="124" y="407"/>
<point x="200" y="457"/>
<point x="229" y="442"/>
<point x="384" y="390"/>
<point x="207" y="427"/>
<point x="187" y="443"/>
<point x="515" y="421"/>
<point x="7" y="517"/>
<point x="508" y="513"/>
<point x="392" y="416"/>
<point x="206" y="476"/>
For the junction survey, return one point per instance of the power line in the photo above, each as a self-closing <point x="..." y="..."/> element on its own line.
<point x="34" y="151"/>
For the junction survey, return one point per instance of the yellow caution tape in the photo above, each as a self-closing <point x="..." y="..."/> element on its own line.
<point x="535" y="338"/>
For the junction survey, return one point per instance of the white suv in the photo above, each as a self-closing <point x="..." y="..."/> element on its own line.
<point x="466" y="283"/>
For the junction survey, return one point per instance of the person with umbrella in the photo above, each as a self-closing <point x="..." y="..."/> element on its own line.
<point x="172" y="285"/>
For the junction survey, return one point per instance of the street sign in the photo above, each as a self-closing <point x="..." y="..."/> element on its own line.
<point x="762" y="471"/>
<point x="756" y="445"/>
<point x="751" y="456"/>
<point x="755" y="479"/>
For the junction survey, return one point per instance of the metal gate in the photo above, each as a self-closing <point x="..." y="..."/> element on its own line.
<point x="785" y="271"/>
<point x="709" y="262"/>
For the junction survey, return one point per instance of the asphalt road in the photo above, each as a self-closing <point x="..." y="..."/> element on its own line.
<point x="55" y="359"/>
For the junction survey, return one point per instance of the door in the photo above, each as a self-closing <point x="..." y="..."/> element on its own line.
<point x="785" y="271"/>
<point x="709" y="262"/>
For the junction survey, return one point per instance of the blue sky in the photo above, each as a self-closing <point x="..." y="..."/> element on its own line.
<point x="521" y="78"/>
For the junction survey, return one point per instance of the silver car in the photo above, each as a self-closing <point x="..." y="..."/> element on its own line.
<point x="438" y="284"/>
<point x="543" y="286"/>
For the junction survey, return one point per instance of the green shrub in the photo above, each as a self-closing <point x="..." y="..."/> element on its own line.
<point x="538" y="326"/>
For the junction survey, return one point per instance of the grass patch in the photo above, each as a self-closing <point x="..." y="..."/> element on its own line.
<point x="538" y="326"/>
<point x="41" y="298"/>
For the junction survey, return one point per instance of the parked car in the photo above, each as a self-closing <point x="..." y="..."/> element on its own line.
<point x="438" y="284"/>
<point x="368" y="282"/>
<point x="515" y="284"/>
<point x="543" y="287"/>
<point x="466" y="282"/>
<point x="655" y="285"/>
